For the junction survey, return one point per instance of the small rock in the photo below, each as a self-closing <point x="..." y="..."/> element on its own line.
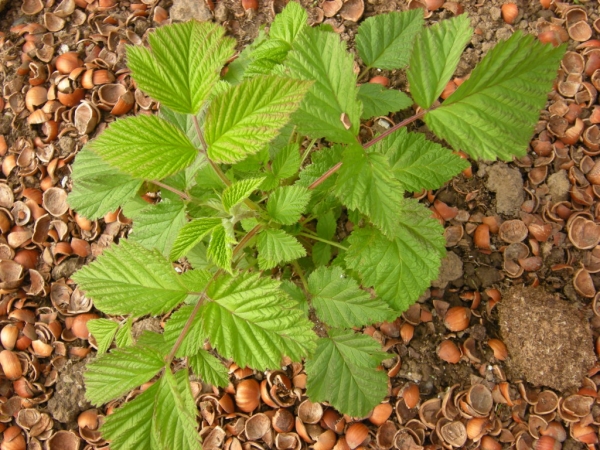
<point x="559" y="185"/>
<point x="451" y="269"/>
<point x="150" y="324"/>
<point x="184" y="10"/>
<point x="68" y="399"/>
<point x="508" y="186"/>
<point x="67" y="268"/>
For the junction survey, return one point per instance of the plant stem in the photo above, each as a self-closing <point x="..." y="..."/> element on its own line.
<point x="162" y="185"/>
<point x="325" y="241"/>
<point x="326" y="175"/>
<point x="307" y="151"/>
<point x="300" y="274"/>
<point x="363" y="73"/>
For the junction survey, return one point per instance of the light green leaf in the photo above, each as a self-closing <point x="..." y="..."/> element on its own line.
<point x="400" y="269"/>
<point x="197" y="257"/>
<point x="321" y="253"/>
<point x="287" y="162"/>
<point x="343" y="373"/>
<point x="97" y="187"/>
<point x="244" y="119"/>
<point x="297" y="295"/>
<point x="493" y="114"/>
<point x="289" y="23"/>
<point x="209" y="368"/>
<point x="158" y="225"/>
<point x="418" y="163"/>
<point x="104" y="331"/>
<point x="124" y="337"/>
<point x="191" y="234"/>
<point x="435" y="57"/>
<point x="195" y="337"/>
<point x="185" y="122"/>
<point x="113" y="374"/>
<point x="251" y="320"/>
<point x="380" y="101"/>
<point x="276" y="246"/>
<point x="365" y="183"/>
<point x="266" y="56"/>
<point x="287" y="203"/>
<point x="385" y="41"/>
<point x="174" y="421"/>
<point x="184" y="64"/>
<point x="145" y="147"/>
<point x="130" y="279"/>
<point x="340" y="303"/>
<point x="195" y="280"/>
<point x="219" y="248"/>
<point x="240" y="191"/>
<point x="322" y="161"/>
<point x="321" y="56"/>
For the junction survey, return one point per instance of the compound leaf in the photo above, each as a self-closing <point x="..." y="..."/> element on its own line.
<point x="97" y="187"/>
<point x="402" y="268"/>
<point x="385" y="41"/>
<point x="343" y="372"/>
<point x="209" y="368"/>
<point x="116" y="373"/>
<point x="251" y="320"/>
<point x="158" y="225"/>
<point x="244" y="119"/>
<point x="418" y="163"/>
<point x="321" y="56"/>
<point x="145" y="147"/>
<point x="289" y="23"/>
<point x="130" y="279"/>
<point x="104" y="331"/>
<point x="183" y="65"/>
<point x="191" y="234"/>
<point x="435" y="57"/>
<point x="277" y="246"/>
<point x="340" y="303"/>
<point x="380" y="101"/>
<point x="493" y="114"/>
<point x="240" y="191"/>
<point x="219" y="248"/>
<point x="365" y="183"/>
<point x="287" y="203"/>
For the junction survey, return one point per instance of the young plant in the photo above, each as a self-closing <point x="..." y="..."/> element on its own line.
<point x="253" y="204"/>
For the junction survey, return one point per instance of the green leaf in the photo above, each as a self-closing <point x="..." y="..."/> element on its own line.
<point x="130" y="279"/>
<point x="287" y="162"/>
<point x="145" y="147"/>
<point x="380" y="101"/>
<point x="174" y="421"/>
<point x="97" y="187"/>
<point x="113" y="374"/>
<point x="340" y="303"/>
<point x="289" y="23"/>
<point x="365" y="183"/>
<point x="385" y="41"/>
<point x="276" y="246"/>
<point x="129" y="427"/>
<point x="322" y="161"/>
<point x="197" y="257"/>
<point x="244" y="119"/>
<point x="191" y="234"/>
<point x="435" y="57"/>
<point x="327" y="225"/>
<point x="493" y="114"/>
<point x="251" y="320"/>
<point x="240" y="191"/>
<point x="287" y="203"/>
<point x="124" y="337"/>
<point x="266" y="56"/>
<point x="343" y="373"/>
<point x="209" y="368"/>
<point x="418" y="163"/>
<point x="185" y="122"/>
<point x="321" y="253"/>
<point x="195" y="338"/>
<point x="321" y="56"/>
<point x="402" y="268"/>
<point x="219" y="248"/>
<point x="158" y="225"/>
<point x="104" y="331"/>
<point x="184" y="64"/>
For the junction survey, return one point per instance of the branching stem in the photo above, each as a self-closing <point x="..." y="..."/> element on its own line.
<point x="162" y="185"/>
<point x="325" y="241"/>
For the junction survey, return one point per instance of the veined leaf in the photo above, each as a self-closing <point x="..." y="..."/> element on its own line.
<point x="402" y="268"/>
<point x="365" y="183"/>
<point x="322" y="161"/>
<point x="289" y="23"/>
<point x="145" y="147"/>
<point x="124" y="337"/>
<point x="340" y="303"/>
<point x="130" y="279"/>
<point x="240" y="191"/>
<point x="276" y="246"/>
<point x="209" y="368"/>
<point x="435" y="57"/>
<point x="343" y="372"/>
<point x="287" y="203"/>
<point x="326" y="225"/>
<point x="385" y="41"/>
<point x="244" y="119"/>
<point x="196" y="336"/>
<point x="97" y="187"/>
<point x="113" y="374"/>
<point x="158" y="225"/>
<point x="321" y="56"/>
<point x="185" y="122"/>
<point x="493" y="114"/>
<point x="287" y="162"/>
<point x="380" y="101"/>
<point x="219" y="248"/>
<point x="104" y="331"/>
<point x="418" y="163"/>
<point x="185" y="62"/>
<point x="251" y="320"/>
<point x="266" y="56"/>
<point x="191" y="234"/>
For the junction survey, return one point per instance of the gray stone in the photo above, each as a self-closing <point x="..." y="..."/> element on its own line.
<point x="559" y="185"/>
<point x="508" y="186"/>
<point x="184" y="10"/>
<point x="451" y="269"/>
<point x="68" y="399"/>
